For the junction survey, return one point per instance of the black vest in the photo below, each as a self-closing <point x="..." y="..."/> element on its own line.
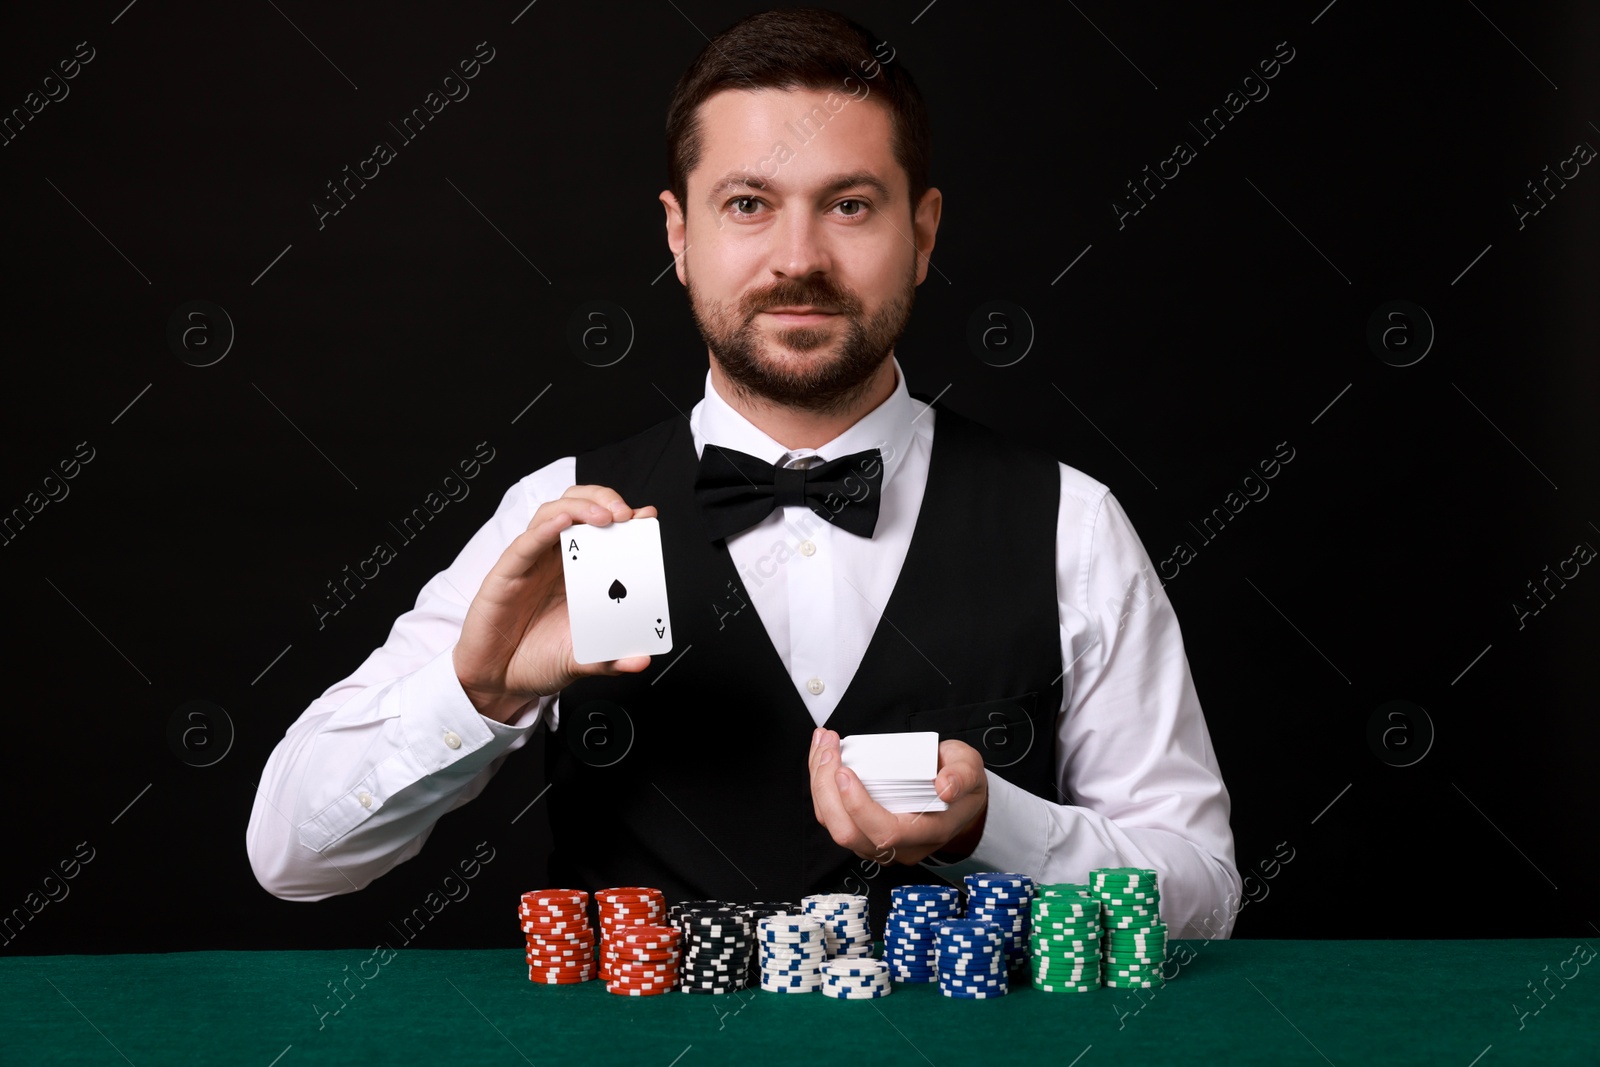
<point x="691" y="776"/>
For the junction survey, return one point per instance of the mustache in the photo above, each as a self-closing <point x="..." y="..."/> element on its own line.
<point x="804" y="295"/>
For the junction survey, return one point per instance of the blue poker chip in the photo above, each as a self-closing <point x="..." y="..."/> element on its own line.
<point x="973" y="981"/>
<point x="983" y="879"/>
<point x="974" y="987"/>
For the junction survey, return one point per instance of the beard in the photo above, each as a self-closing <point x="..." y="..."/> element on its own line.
<point x="833" y="371"/>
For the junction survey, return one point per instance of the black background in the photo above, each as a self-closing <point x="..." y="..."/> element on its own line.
<point x="1228" y="316"/>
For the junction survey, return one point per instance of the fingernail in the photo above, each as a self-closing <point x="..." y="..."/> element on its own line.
<point x="815" y="732"/>
<point x="844" y="781"/>
<point x="827" y="757"/>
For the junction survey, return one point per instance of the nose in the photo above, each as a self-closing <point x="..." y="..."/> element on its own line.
<point x="799" y="244"/>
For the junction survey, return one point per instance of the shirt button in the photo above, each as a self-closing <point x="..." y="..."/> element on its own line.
<point x="808" y="548"/>
<point x="452" y="739"/>
<point x="365" y="798"/>
<point x="815" y="685"/>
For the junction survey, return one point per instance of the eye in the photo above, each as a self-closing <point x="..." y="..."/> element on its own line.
<point x="740" y="200"/>
<point x="861" y="206"/>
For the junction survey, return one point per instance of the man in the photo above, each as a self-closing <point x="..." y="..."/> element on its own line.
<point x="950" y="579"/>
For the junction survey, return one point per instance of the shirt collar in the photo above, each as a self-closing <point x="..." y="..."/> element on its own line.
<point x="886" y="427"/>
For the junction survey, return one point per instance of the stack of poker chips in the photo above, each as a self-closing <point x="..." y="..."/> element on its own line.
<point x="910" y="931"/>
<point x="1065" y="939"/>
<point x="620" y="910"/>
<point x="855" y="979"/>
<point x="793" y="950"/>
<point x="1003" y="899"/>
<point x="716" y="951"/>
<point x="972" y="959"/>
<point x="753" y="913"/>
<point x="645" y="963"/>
<point x="560" y="939"/>
<point x="676" y="915"/>
<point x="844" y="922"/>
<point x="1133" y="939"/>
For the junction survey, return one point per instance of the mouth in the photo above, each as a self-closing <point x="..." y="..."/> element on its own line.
<point x="800" y="316"/>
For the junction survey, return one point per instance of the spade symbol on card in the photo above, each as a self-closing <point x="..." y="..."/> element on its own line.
<point x="617" y="591"/>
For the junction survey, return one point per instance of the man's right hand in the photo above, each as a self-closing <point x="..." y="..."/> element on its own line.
<point x="516" y="641"/>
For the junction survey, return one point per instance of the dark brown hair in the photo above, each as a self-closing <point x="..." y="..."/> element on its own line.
<point x="799" y="48"/>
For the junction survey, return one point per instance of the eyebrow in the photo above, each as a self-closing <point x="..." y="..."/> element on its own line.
<point x="836" y="184"/>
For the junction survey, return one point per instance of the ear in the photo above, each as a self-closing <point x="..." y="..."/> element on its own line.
<point x="924" y="225"/>
<point x="675" y="231"/>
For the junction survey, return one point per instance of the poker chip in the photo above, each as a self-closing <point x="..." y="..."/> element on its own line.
<point x="752" y="914"/>
<point x="1004" y="900"/>
<point x="1065" y="953"/>
<point x="717" y="950"/>
<point x="970" y="958"/>
<point x="792" y="950"/>
<point x="1133" y="941"/>
<point x="855" y="979"/>
<point x="560" y="942"/>
<point x="844" y="922"/>
<point x="622" y="910"/>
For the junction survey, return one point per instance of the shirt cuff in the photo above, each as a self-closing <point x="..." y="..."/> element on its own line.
<point x="441" y="726"/>
<point x="1015" y="833"/>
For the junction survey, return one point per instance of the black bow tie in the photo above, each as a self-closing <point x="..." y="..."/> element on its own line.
<point x="736" y="490"/>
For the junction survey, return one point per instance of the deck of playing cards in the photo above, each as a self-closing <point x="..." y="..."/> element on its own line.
<point x="616" y="590"/>
<point x="897" y="769"/>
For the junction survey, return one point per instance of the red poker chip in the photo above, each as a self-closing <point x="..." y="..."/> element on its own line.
<point x="632" y="983"/>
<point x="554" y="936"/>
<point x="550" y="915"/>
<point x="568" y="909"/>
<point x="642" y="967"/>
<point x="560" y="972"/>
<point x="568" y="950"/>
<point x="559" y="968"/>
<point x="563" y="896"/>
<point x="565" y="962"/>
<point x="554" y="920"/>
<point x="543" y="979"/>
<point x="648" y="935"/>
<point x="629" y="892"/>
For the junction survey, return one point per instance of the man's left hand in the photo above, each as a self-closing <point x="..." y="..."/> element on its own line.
<point x="861" y="824"/>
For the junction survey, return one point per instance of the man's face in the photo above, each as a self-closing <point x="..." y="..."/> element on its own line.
<point x="796" y="244"/>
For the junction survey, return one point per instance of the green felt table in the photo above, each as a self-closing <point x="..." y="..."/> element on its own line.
<point x="1232" y="1002"/>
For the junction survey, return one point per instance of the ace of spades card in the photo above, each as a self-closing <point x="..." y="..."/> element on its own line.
<point x="616" y="590"/>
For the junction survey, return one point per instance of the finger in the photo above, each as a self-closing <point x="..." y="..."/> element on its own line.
<point x="826" y="799"/>
<point x="960" y="771"/>
<point x="530" y="549"/>
<point x="606" y="500"/>
<point x="880" y="828"/>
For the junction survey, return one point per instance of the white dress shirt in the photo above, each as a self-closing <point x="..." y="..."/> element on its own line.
<point x="361" y="777"/>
